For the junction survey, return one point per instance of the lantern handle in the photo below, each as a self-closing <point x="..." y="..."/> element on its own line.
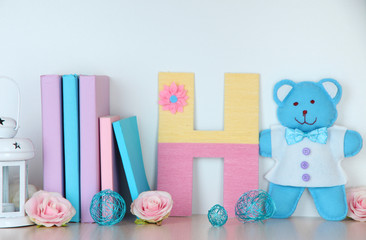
<point x="18" y="91"/>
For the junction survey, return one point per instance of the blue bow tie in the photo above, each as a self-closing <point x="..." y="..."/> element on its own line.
<point x="319" y="135"/>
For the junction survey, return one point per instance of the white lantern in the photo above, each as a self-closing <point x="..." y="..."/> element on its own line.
<point x="14" y="154"/>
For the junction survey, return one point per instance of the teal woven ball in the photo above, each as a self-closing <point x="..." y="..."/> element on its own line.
<point x="217" y="215"/>
<point x="253" y="206"/>
<point x="107" y="207"/>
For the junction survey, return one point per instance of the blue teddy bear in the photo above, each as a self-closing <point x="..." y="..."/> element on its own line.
<point x="308" y="148"/>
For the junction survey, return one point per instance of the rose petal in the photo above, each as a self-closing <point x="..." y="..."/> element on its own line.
<point x="49" y="209"/>
<point x="152" y="206"/>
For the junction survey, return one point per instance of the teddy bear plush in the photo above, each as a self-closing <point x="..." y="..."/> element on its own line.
<point x="308" y="148"/>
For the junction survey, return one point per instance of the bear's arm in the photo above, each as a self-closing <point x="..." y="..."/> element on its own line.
<point x="265" y="144"/>
<point x="352" y="143"/>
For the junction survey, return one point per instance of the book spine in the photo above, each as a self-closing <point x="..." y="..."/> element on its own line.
<point x="70" y="85"/>
<point x="94" y="103"/>
<point x="128" y="141"/>
<point x="107" y="154"/>
<point x="52" y="137"/>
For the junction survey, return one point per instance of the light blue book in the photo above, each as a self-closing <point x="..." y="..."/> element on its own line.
<point x="128" y="141"/>
<point x="70" y="92"/>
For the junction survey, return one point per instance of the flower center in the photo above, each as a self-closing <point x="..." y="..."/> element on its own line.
<point x="173" y="99"/>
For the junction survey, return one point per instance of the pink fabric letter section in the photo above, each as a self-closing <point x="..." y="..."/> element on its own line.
<point x="176" y="159"/>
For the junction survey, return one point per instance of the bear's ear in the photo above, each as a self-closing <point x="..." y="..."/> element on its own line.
<point x="333" y="88"/>
<point x="282" y="89"/>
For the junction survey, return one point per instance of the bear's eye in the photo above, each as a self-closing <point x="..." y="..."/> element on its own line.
<point x="312" y="101"/>
<point x="296" y="103"/>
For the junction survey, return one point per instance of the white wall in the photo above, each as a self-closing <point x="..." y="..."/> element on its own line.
<point x="131" y="41"/>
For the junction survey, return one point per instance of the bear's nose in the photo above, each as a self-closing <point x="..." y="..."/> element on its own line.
<point x="304" y="112"/>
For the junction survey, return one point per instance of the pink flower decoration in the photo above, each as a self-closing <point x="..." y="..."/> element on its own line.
<point x="173" y="98"/>
<point x="152" y="206"/>
<point x="356" y="200"/>
<point x="49" y="209"/>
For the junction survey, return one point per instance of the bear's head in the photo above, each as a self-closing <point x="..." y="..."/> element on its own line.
<point x="307" y="105"/>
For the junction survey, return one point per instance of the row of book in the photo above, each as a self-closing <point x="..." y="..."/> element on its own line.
<point x="79" y="138"/>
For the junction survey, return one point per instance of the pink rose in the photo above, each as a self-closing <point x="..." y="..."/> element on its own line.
<point x="152" y="206"/>
<point x="49" y="208"/>
<point x="356" y="199"/>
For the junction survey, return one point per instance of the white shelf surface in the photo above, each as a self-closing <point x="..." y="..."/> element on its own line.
<point x="198" y="227"/>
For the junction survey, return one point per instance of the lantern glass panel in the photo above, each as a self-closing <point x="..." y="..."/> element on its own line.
<point x="11" y="187"/>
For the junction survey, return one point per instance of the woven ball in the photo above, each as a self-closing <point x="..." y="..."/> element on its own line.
<point x="253" y="206"/>
<point x="217" y="215"/>
<point x="107" y="207"/>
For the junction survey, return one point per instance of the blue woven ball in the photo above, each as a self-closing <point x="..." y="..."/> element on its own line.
<point x="217" y="215"/>
<point x="253" y="206"/>
<point x="107" y="207"/>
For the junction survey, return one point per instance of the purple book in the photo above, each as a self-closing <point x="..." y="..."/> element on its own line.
<point x="52" y="134"/>
<point x="93" y="103"/>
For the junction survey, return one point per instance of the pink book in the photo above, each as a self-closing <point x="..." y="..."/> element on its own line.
<point x="108" y="162"/>
<point x="52" y="134"/>
<point x="93" y="103"/>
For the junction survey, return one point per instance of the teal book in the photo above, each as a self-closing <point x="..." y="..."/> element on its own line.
<point x="128" y="141"/>
<point x="70" y="85"/>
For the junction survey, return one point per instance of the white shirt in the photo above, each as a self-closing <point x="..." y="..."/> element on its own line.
<point x="306" y="163"/>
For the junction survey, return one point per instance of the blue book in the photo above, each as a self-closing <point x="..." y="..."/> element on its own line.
<point x="128" y="141"/>
<point x="70" y="85"/>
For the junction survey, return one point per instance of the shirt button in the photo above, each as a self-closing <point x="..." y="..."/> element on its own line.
<point x="306" y="177"/>
<point x="304" y="165"/>
<point x="306" y="151"/>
